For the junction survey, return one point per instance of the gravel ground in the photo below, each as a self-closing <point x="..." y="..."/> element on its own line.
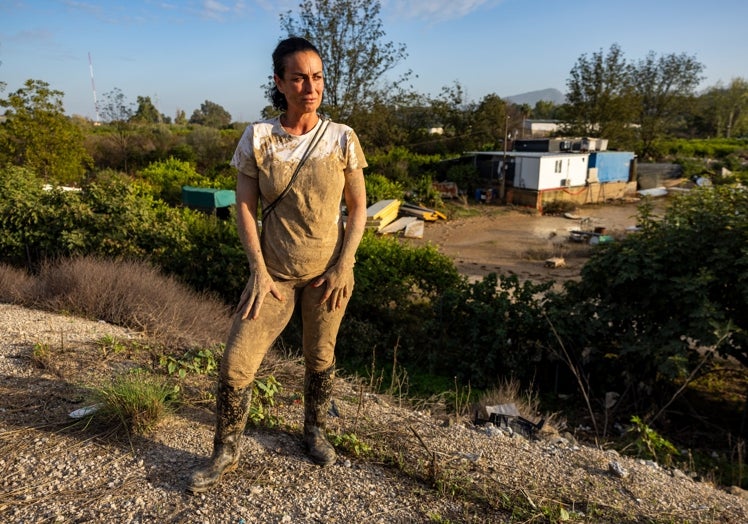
<point x="421" y="470"/>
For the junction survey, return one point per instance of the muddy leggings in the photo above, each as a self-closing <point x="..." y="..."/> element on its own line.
<point x="249" y="340"/>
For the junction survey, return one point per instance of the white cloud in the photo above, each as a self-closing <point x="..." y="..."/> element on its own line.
<point x="214" y="9"/>
<point x="220" y="11"/>
<point x="430" y="10"/>
<point x="435" y="10"/>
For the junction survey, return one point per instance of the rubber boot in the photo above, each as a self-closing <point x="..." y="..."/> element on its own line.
<point x="232" y="410"/>
<point x="317" y="394"/>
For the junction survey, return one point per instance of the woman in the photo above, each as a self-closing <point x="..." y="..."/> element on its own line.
<point x="298" y="166"/>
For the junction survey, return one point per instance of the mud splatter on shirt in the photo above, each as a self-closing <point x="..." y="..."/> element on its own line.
<point x="303" y="236"/>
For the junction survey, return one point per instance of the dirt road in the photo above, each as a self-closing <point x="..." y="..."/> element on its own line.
<point x="514" y="241"/>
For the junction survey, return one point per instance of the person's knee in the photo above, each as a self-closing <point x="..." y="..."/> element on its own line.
<point x="236" y="378"/>
<point x="318" y="362"/>
<point x="235" y="383"/>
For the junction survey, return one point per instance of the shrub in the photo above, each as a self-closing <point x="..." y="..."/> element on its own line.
<point x="212" y="258"/>
<point x="164" y="179"/>
<point x="401" y="166"/>
<point x="467" y="177"/>
<point x="645" y="302"/>
<point x="111" y="217"/>
<point x="488" y="330"/>
<point x="424" y="193"/>
<point x="14" y="284"/>
<point x="379" y="187"/>
<point x="132" y="294"/>
<point x="394" y="286"/>
<point x="138" y="401"/>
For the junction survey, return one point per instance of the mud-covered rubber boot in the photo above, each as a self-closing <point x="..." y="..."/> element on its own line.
<point x="232" y="410"/>
<point x="317" y="394"/>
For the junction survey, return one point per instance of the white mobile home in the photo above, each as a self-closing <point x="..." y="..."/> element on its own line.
<point x="541" y="171"/>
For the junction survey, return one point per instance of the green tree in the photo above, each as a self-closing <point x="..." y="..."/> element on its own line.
<point x="116" y="108"/>
<point x="600" y="96"/>
<point x="165" y="179"/>
<point x="38" y="135"/>
<point x="398" y="117"/>
<point x="212" y="147"/>
<point x="210" y="114"/>
<point x="489" y="119"/>
<point x="725" y="109"/>
<point x="664" y="87"/>
<point x="350" y="39"/>
<point x="118" y="113"/>
<point x="180" y="118"/>
<point x="544" y="109"/>
<point x="455" y="115"/>
<point x="146" y="113"/>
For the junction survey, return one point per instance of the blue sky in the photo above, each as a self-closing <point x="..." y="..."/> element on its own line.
<point x="183" y="52"/>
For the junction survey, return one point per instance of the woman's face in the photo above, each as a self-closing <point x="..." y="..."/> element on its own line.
<point x="302" y="82"/>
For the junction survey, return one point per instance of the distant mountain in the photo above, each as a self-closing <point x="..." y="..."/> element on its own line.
<point x="532" y="97"/>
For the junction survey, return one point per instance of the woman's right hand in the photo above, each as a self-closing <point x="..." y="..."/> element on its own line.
<point x="260" y="283"/>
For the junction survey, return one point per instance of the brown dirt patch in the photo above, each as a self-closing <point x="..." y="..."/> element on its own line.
<point x="515" y="241"/>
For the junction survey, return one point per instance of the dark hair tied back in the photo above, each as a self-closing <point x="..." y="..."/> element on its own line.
<point x="284" y="49"/>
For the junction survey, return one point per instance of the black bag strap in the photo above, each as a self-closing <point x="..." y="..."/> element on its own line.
<point x="312" y="144"/>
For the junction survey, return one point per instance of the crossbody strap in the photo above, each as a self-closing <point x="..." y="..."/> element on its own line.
<point x="312" y="144"/>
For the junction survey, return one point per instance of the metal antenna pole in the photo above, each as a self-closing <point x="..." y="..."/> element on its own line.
<point x="93" y="88"/>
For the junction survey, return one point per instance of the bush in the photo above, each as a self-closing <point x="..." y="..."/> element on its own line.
<point x="425" y="194"/>
<point x="644" y="303"/>
<point x="401" y="166"/>
<point x="15" y="284"/>
<point x="113" y="218"/>
<point x="164" y="179"/>
<point x="138" y="401"/>
<point x="489" y="330"/>
<point x="391" y="301"/>
<point x="131" y="294"/>
<point x="467" y="177"/>
<point x="379" y="187"/>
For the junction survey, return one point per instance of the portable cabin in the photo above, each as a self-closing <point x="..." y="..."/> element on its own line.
<point x="542" y="171"/>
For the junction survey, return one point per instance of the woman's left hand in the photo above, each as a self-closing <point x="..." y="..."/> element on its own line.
<point x="338" y="289"/>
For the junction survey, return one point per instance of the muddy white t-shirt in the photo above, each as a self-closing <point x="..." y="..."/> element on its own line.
<point x="303" y="235"/>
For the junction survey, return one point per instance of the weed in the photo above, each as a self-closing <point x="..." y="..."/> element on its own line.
<point x="398" y="378"/>
<point x="41" y="355"/>
<point x="649" y="443"/>
<point x="111" y="345"/>
<point x="737" y="452"/>
<point x="350" y="443"/>
<point x="462" y="398"/>
<point x="263" y="399"/>
<point x="132" y="294"/>
<point x="197" y="361"/>
<point x="557" y="207"/>
<point x="137" y="400"/>
<point x="438" y="519"/>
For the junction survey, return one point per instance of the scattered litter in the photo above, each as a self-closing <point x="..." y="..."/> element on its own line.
<point x="506" y="416"/>
<point x="654" y="192"/>
<point x="616" y="469"/>
<point x="414" y="229"/>
<point x="85" y="411"/>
